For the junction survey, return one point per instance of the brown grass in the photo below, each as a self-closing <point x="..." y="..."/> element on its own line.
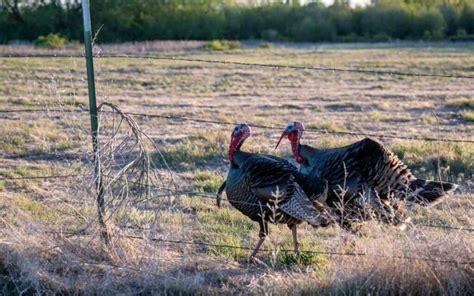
<point x="49" y="241"/>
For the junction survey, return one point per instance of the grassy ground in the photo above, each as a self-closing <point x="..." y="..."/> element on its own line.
<point x="35" y="214"/>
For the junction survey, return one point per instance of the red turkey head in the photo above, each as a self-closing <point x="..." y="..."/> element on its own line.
<point x="294" y="130"/>
<point x="240" y="132"/>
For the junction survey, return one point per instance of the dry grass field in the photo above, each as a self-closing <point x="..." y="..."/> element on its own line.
<point x="48" y="236"/>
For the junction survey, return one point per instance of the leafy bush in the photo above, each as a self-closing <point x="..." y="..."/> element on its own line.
<point x="385" y="20"/>
<point x="51" y="41"/>
<point x="467" y="18"/>
<point x="310" y="29"/>
<point x="428" y="24"/>
<point x="220" y="45"/>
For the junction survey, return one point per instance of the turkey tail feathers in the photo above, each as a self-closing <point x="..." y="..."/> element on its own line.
<point x="429" y="192"/>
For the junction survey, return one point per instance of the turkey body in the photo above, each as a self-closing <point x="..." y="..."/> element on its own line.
<point x="367" y="167"/>
<point x="264" y="188"/>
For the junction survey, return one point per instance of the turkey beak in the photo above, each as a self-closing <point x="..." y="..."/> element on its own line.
<point x="285" y="132"/>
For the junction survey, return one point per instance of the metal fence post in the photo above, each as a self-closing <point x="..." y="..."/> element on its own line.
<point x="94" y="119"/>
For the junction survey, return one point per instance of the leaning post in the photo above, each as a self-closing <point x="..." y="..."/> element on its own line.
<point x="94" y="120"/>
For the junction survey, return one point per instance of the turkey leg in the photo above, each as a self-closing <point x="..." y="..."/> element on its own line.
<point x="295" y="239"/>
<point x="262" y="234"/>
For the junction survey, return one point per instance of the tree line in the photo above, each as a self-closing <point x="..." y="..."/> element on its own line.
<point x="136" y="20"/>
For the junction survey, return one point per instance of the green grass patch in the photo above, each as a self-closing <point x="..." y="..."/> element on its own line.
<point x="422" y="157"/>
<point x="227" y="220"/>
<point x="319" y="109"/>
<point x="198" y="149"/>
<point x="331" y="142"/>
<point x="284" y="259"/>
<point x="228" y="239"/>
<point x="207" y="181"/>
<point x="35" y="209"/>
<point x="467" y="115"/>
<point x="11" y="142"/>
<point x="461" y="103"/>
<point x="21" y="102"/>
<point x="227" y="227"/>
<point x="326" y="125"/>
<point x="454" y="158"/>
<point x="75" y="102"/>
<point x="41" y="135"/>
<point x="19" y="171"/>
<point x="34" y="171"/>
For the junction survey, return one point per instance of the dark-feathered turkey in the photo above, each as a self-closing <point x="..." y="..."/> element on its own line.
<point x="265" y="188"/>
<point x="364" y="167"/>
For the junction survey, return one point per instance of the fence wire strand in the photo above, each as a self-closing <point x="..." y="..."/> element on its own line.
<point x="352" y="254"/>
<point x="307" y="68"/>
<point x="42" y="177"/>
<point x="268" y="127"/>
<point x="259" y="65"/>
<point x="211" y="196"/>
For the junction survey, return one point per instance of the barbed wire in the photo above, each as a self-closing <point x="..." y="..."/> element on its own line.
<point x="41" y="177"/>
<point x="446" y="227"/>
<point x="310" y="130"/>
<point x="248" y="64"/>
<point x="330" y="253"/>
<point x="279" y="66"/>
<point x="269" y="127"/>
<point x="213" y="196"/>
<point x="209" y="196"/>
<point x="42" y="110"/>
<point x="265" y="250"/>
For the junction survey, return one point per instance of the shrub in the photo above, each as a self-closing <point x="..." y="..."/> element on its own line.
<point x="393" y="21"/>
<point x="452" y="16"/>
<point x="220" y="45"/>
<point x="51" y="41"/>
<point x="428" y="24"/>
<point x="312" y="29"/>
<point x="467" y="18"/>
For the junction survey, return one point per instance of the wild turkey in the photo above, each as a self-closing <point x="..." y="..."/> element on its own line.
<point x="366" y="167"/>
<point x="265" y="188"/>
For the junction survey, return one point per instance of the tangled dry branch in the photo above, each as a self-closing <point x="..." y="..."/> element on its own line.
<point x="130" y="171"/>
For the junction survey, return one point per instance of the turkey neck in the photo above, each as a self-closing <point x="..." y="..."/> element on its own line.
<point x="304" y="151"/>
<point x="240" y="157"/>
